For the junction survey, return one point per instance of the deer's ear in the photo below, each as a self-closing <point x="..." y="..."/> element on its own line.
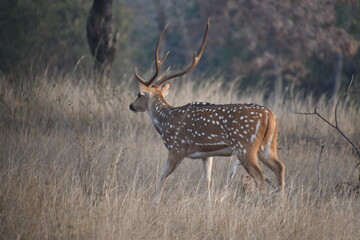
<point x="144" y="90"/>
<point x="165" y="89"/>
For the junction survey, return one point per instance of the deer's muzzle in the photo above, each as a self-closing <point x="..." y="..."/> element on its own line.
<point x="132" y="108"/>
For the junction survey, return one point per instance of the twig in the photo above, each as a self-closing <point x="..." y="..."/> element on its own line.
<point x="321" y="143"/>
<point x="336" y="125"/>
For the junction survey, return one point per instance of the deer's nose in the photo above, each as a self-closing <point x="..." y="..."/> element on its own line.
<point x="132" y="108"/>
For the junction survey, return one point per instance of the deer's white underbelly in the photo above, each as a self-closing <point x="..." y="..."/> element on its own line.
<point x="222" y="152"/>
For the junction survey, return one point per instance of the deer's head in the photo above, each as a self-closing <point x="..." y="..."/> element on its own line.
<point x="158" y="88"/>
<point x="147" y="95"/>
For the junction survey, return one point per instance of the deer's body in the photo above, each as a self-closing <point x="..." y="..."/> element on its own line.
<point x="204" y="130"/>
<point x="199" y="130"/>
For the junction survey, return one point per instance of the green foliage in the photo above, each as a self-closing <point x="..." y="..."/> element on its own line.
<point x="52" y="33"/>
<point x="47" y="33"/>
<point x="255" y="41"/>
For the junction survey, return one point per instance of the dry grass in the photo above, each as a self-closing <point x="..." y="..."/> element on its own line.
<point x="75" y="163"/>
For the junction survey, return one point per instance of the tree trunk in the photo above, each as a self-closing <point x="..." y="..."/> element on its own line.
<point x="186" y="41"/>
<point x="160" y="18"/>
<point x="278" y="83"/>
<point x="337" y="76"/>
<point x="101" y="38"/>
<point x="160" y="14"/>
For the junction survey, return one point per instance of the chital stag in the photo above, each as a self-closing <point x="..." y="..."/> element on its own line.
<point x="203" y="130"/>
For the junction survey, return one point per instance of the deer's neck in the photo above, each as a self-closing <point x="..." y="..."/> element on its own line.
<point x="159" y="111"/>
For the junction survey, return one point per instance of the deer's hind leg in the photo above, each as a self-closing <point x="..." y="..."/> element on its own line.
<point x="268" y="155"/>
<point x="250" y="162"/>
<point x="232" y="173"/>
<point x="272" y="161"/>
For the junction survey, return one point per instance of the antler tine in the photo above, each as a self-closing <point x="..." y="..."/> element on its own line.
<point x="139" y="77"/>
<point x="164" y="72"/>
<point x="158" y="62"/>
<point x="196" y="59"/>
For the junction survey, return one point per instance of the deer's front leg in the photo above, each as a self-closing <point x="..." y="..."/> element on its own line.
<point x="207" y="163"/>
<point x="169" y="166"/>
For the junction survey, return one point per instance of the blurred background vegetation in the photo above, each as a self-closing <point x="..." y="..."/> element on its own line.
<point x="310" y="45"/>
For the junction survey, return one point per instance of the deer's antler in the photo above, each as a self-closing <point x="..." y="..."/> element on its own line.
<point x="158" y="62"/>
<point x="196" y="59"/>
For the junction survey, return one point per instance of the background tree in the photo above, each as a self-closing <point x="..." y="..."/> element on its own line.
<point x="41" y="34"/>
<point x="310" y="45"/>
<point x="274" y="40"/>
<point x="101" y="38"/>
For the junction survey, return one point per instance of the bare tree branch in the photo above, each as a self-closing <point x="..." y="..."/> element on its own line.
<point x="320" y="141"/>
<point x="336" y="125"/>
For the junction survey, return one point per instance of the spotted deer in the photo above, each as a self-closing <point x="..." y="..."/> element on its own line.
<point x="204" y="130"/>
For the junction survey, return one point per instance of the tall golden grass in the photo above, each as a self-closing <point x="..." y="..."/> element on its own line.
<point x="77" y="164"/>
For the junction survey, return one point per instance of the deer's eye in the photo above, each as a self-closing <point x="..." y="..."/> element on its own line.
<point x="139" y="95"/>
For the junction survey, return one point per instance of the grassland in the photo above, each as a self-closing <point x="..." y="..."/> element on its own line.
<point x="75" y="163"/>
